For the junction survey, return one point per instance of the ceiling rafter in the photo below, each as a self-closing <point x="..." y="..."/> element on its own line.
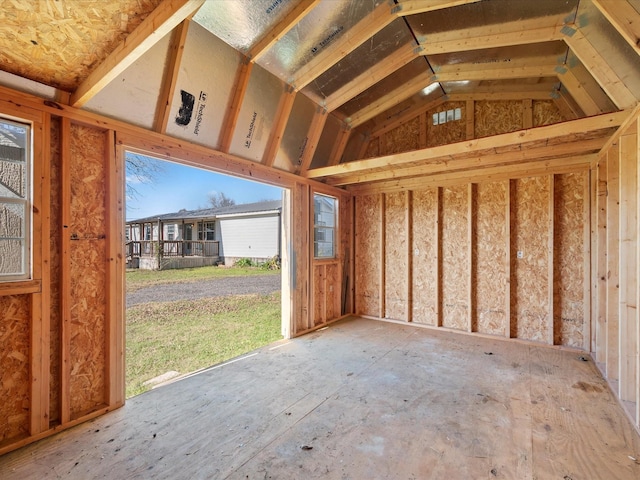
<point x="567" y="107"/>
<point x="313" y="137"/>
<point x="542" y="134"/>
<point x="494" y="73"/>
<point x="397" y="95"/>
<point x="382" y="69"/>
<point x="624" y="18"/>
<point x="416" y="84"/>
<point x="578" y="92"/>
<point x="340" y="48"/>
<point x="382" y="16"/>
<point x="413" y="7"/>
<point x="170" y="80"/>
<point x="523" y="94"/>
<point x="436" y="166"/>
<point x="489" y="174"/>
<point x="285" y="105"/>
<point x="608" y="80"/>
<point x="291" y="19"/>
<point x="168" y="15"/>
<point x="492" y="36"/>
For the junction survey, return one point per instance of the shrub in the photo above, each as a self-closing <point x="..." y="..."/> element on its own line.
<point x="243" y="262"/>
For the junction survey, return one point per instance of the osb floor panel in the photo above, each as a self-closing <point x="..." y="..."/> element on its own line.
<point x="362" y="399"/>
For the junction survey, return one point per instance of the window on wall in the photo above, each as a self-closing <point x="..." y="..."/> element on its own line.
<point x="171" y="232"/>
<point x="206" y="231"/>
<point x="324" y="226"/>
<point x="15" y="201"/>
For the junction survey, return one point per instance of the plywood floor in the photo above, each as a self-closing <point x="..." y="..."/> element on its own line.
<point x="362" y="399"/>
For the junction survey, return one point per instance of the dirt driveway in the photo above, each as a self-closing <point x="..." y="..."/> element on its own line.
<point x="206" y="288"/>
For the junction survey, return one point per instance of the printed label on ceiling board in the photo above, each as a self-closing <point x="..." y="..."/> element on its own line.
<point x="273" y="6"/>
<point x="252" y="126"/>
<point x="327" y="40"/>
<point x="302" y="149"/>
<point x="188" y="106"/>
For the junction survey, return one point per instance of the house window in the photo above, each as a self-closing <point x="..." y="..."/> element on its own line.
<point x="147" y="232"/>
<point x="15" y="201"/>
<point x="206" y="231"/>
<point x="171" y="232"/>
<point x="324" y="226"/>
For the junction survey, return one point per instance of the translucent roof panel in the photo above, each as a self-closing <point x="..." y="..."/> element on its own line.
<point x="620" y="56"/>
<point x="325" y="24"/>
<point x="363" y="58"/>
<point x="411" y="70"/>
<point x="485" y="13"/>
<point x="547" y="52"/>
<point x="242" y="23"/>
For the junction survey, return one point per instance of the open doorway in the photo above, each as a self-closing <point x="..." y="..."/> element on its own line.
<point x="203" y="278"/>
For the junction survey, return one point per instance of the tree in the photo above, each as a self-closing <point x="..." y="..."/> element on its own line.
<point x="140" y="169"/>
<point x="219" y="200"/>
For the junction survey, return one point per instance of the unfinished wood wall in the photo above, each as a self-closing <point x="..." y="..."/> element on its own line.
<point x="615" y="266"/>
<point x="54" y="361"/>
<point x="503" y="258"/>
<point x="478" y="119"/>
<point x="322" y="289"/>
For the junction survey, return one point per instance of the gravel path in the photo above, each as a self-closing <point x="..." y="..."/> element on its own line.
<point x="218" y="287"/>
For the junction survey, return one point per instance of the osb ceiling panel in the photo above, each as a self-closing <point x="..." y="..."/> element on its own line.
<point x="59" y="42"/>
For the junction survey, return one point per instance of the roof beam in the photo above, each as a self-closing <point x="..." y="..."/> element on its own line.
<point x="170" y="79"/>
<point x="624" y="18"/>
<point x="542" y="134"/>
<point x="344" y="45"/>
<point x="492" y="36"/>
<point x="313" y="138"/>
<point x="397" y="95"/>
<point x="279" y="125"/>
<point x="490" y="174"/>
<point x="339" y="145"/>
<point x="521" y="95"/>
<point x="565" y="104"/>
<point x="233" y="110"/>
<point x="600" y="69"/>
<point x="412" y="7"/>
<point x="524" y="154"/>
<point x="290" y="20"/>
<point x="446" y="75"/>
<point x="578" y="92"/>
<point x="382" y="69"/>
<point x="168" y="15"/>
<point x="492" y="73"/>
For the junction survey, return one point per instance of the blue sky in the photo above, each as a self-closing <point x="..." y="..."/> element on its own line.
<point x="176" y="187"/>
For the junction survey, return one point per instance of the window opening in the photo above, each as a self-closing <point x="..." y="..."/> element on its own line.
<point x="15" y="201"/>
<point x="324" y="226"/>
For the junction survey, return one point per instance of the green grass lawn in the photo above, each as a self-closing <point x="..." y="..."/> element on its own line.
<point x="189" y="335"/>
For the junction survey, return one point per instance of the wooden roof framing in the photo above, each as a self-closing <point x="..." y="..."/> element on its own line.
<point x="168" y="15"/>
<point x="583" y="136"/>
<point x="486" y="80"/>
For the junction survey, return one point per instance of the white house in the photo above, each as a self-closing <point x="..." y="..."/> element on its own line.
<point x="190" y="238"/>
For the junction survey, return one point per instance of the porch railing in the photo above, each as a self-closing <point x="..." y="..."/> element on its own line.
<point x="172" y="248"/>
